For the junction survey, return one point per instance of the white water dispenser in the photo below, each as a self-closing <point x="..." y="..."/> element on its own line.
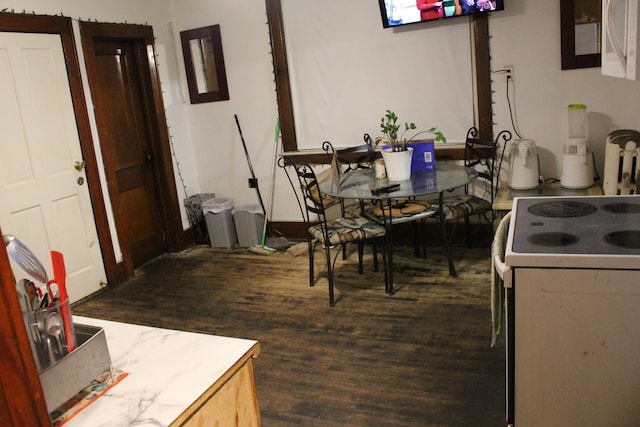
<point x="524" y="165"/>
<point x="577" y="157"/>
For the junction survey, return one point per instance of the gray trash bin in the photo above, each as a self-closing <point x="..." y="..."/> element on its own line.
<point x="249" y="220"/>
<point x="219" y="219"/>
<point x="193" y="207"/>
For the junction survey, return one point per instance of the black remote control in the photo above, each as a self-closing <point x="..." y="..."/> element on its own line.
<point x="388" y="189"/>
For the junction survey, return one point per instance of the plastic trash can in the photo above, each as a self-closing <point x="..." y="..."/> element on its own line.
<point x="193" y="207"/>
<point x="249" y="220"/>
<point x="219" y="219"/>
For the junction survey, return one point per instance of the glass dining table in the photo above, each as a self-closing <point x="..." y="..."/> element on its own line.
<point x="362" y="184"/>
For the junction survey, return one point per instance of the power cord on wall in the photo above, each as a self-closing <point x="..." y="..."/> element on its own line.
<point x="509" y="82"/>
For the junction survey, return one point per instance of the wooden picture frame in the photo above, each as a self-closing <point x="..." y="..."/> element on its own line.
<point x="580" y="33"/>
<point x="204" y="64"/>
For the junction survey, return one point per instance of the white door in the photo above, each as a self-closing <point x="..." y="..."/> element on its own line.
<point x="44" y="200"/>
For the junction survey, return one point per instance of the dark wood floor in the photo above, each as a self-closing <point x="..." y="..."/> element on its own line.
<point x="421" y="357"/>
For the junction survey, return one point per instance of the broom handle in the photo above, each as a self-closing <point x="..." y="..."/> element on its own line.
<point x="253" y="175"/>
<point x="273" y="168"/>
<point x="271" y="182"/>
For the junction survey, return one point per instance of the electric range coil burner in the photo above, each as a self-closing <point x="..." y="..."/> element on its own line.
<point x="553" y="239"/>
<point x="625" y="239"/>
<point x="622" y="208"/>
<point x="562" y="209"/>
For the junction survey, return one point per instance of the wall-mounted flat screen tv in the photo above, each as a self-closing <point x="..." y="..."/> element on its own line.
<point x="402" y="12"/>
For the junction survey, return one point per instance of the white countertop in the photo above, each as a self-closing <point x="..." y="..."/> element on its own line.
<point x="167" y="371"/>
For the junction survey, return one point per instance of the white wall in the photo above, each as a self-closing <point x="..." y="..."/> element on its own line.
<point x="346" y="70"/>
<point x="220" y="160"/>
<point x="208" y="150"/>
<point x="527" y="36"/>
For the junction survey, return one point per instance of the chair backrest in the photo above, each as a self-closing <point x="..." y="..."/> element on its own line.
<point x="482" y="156"/>
<point x="311" y="201"/>
<point x="357" y="157"/>
<point x="349" y="159"/>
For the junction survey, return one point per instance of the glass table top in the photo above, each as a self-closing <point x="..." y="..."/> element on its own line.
<point x="359" y="184"/>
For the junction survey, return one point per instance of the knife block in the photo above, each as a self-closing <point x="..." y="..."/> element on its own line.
<point x="71" y="374"/>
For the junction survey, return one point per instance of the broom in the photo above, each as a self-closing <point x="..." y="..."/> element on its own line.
<point x="261" y="249"/>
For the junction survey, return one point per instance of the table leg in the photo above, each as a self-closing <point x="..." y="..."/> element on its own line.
<point x="389" y="238"/>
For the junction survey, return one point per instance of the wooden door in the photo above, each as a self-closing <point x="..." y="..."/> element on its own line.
<point x="44" y="198"/>
<point x="119" y="94"/>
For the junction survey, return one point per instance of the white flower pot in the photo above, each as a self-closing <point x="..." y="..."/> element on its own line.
<point x="397" y="163"/>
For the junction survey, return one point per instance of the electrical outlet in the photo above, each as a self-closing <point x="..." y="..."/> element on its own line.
<point x="508" y="72"/>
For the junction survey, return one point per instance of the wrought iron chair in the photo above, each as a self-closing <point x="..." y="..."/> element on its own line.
<point x="479" y="195"/>
<point x="331" y="233"/>
<point x="350" y="159"/>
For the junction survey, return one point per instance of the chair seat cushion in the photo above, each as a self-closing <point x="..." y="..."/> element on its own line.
<point x="345" y="230"/>
<point x="401" y="209"/>
<point x="463" y="205"/>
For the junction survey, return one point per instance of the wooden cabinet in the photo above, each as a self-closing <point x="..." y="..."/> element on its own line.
<point x="21" y="397"/>
<point x="230" y="401"/>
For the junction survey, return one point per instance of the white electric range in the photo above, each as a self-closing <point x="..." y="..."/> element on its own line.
<point x="573" y="311"/>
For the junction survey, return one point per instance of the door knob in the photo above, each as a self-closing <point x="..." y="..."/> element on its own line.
<point x="79" y="165"/>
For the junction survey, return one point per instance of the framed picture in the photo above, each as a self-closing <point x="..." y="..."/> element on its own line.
<point x="204" y="64"/>
<point x="580" y="33"/>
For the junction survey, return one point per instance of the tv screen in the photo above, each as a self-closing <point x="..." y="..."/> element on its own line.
<point x="402" y="12"/>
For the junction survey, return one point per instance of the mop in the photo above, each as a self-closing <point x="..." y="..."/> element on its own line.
<point x="262" y="248"/>
<point x="277" y="243"/>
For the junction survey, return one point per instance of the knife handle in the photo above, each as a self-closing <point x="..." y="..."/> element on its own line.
<point x="69" y="333"/>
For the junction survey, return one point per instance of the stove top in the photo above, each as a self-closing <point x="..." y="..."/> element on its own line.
<point x="585" y="232"/>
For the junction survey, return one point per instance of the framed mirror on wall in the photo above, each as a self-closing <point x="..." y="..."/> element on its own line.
<point x="580" y="33"/>
<point x="204" y="64"/>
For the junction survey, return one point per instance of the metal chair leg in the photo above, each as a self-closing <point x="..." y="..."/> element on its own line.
<point x="312" y="249"/>
<point x="375" y="257"/>
<point x="382" y="241"/>
<point x="416" y="239"/>
<point x="327" y="250"/>
<point x="447" y="239"/>
<point x="447" y="242"/>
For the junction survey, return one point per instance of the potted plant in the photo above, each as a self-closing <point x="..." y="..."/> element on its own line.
<point x="396" y="154"/>
<point x="390" y="128"/>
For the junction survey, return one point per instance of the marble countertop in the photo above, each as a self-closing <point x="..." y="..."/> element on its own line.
<point x="167" y="371"/>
